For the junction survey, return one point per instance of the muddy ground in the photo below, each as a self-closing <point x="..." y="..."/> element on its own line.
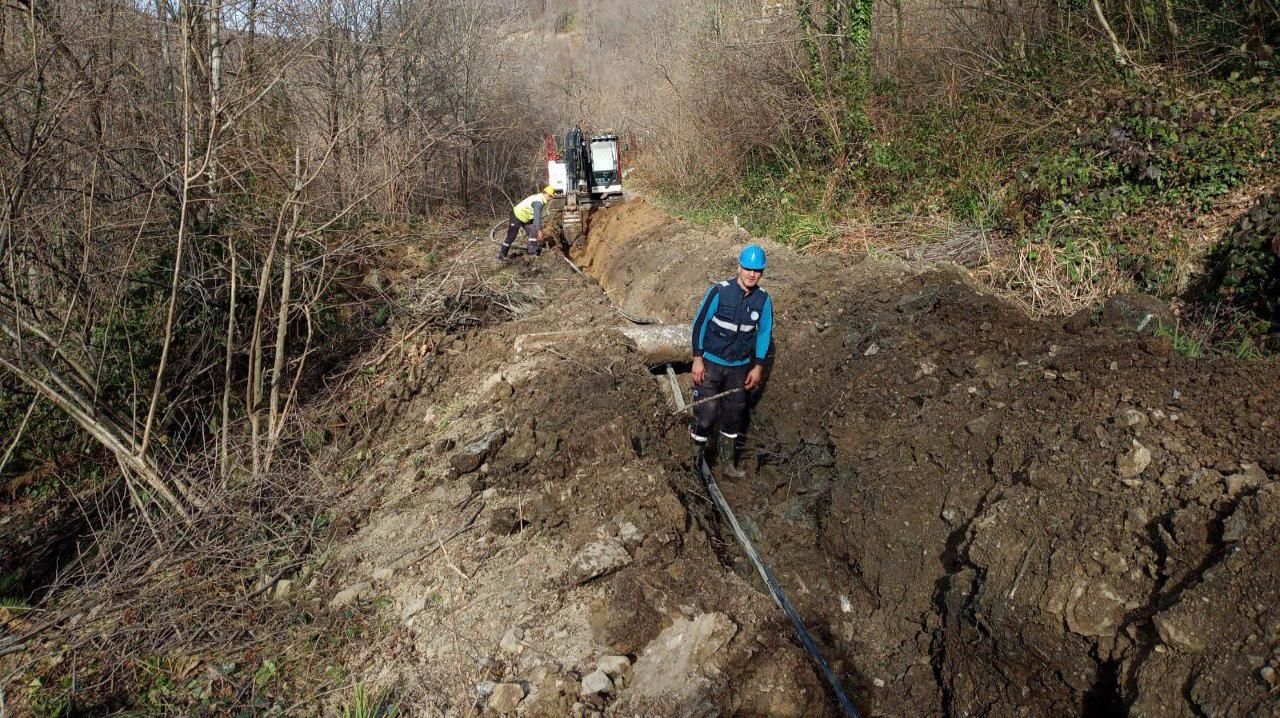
<point x="976" y="513"/>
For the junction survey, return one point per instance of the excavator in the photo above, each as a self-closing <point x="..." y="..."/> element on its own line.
<point x="587" y="172"/>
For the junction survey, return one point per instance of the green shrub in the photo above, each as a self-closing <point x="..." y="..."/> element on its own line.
<point x="1141" y="144"/>
<point x="1242" y="271"/>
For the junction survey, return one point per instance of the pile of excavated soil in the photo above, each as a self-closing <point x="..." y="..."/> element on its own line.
<point x="990" y="514"/>
<point x="975" y="513"/>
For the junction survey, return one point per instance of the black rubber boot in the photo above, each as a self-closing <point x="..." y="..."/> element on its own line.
<point x="729" y="463"/>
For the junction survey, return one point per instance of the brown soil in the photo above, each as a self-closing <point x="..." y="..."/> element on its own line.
<point x="976" y="513"/>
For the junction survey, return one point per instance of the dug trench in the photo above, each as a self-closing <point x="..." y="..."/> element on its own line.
<point x="976" y="513"/>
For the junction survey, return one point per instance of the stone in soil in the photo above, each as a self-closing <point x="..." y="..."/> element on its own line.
<point x="513" y="640"/>
<point x="597" y="559"/>
<point x="471" y="456"/>
<point x="350" y="595"/>
<point x="614" y="666"/>
<point x="1133" y="462"/>
<point x="505" y="698"/>
<point x="672" y="662"/>
<point x="596" y="683"/>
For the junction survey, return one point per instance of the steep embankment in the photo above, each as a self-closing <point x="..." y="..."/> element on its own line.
<point x="977" y="513"/>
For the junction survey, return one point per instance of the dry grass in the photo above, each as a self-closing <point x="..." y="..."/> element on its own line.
<point x="1043" y="283"/>
<point x="1051" y="283"/>
<point x="923" y="240"/>
<point x="1046" y="283"/>
<point x="151" y="600"/>
<point x="1200" y="231"/>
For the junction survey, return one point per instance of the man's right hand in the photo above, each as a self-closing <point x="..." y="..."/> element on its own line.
<point x="1275" y="245"/>
<point x="699" y="370"/>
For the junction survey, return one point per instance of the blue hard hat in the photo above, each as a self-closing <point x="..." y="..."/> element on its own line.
<point x="752" y="257"/>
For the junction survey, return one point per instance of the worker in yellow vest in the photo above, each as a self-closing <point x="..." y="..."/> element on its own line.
<point x="528" y="214"/>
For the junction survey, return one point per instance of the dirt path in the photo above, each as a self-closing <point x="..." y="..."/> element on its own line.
<point x="977" y="514"/>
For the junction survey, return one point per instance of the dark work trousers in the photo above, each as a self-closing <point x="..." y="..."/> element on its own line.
<point x="729" y="410"/>
<point x="514" y="226"/>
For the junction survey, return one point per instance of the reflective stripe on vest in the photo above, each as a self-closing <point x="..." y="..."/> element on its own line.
<point x="732" y="327"/>
<point x="524" y="210"/>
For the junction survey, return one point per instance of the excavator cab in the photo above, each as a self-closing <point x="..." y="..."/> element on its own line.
<point x="605" y="173"/>
<point x="589" y="174"/>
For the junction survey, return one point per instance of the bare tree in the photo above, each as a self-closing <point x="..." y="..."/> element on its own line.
<point x="162" y="171"/>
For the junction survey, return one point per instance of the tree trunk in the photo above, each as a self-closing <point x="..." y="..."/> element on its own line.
<point x="224" y="452"/>
<point x="215" y="95"/>
<point x="1122" y="57"/>
<point x="162" y="20"/>
<point x="282" y="321"/>
<point x="1170" y="21"/>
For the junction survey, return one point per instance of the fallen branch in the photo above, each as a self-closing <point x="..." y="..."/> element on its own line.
<point x="722" y="394"/>
<point x="448" y="561"/>
<point x="272" y="581"/>
<point x="21" y="642"/>
<point x="383" y="357"/>
<point x="466" y="526"/>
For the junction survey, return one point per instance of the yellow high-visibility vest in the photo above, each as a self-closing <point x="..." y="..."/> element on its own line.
<point x="524" y="210"/>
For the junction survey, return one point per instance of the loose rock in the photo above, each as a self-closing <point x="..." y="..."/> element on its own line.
<point x="506" y="697"/>
<point x="1136" y="313"/>
<point x="687" y="649"/>
<point x="513" y="640"/>
<point x="596" y="683"/>
<point x="629" y="535"/>
<point x="1250" y="476"/>
<point x="614" y="666"/>
<point x="1177" y="635"/>
<point x="470" y="457"/>
<point x="1134" y="462"/>
<point x="597" y="559"/>
<point x="349" y="596"/>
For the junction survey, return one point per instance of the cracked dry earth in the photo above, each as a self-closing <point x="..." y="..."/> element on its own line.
<point x="977" y="513"/>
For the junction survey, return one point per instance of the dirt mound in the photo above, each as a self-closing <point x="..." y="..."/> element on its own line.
<point x="654" y="265"/>
<point x="989" y="514"/>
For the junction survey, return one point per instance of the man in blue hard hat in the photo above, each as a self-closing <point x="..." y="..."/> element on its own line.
<point x="731" y="340"/>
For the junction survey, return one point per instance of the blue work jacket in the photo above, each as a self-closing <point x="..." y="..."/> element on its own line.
<point x="733" y="328"/>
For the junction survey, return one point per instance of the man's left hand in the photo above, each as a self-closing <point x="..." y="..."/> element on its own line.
<point x="753" y="378"/>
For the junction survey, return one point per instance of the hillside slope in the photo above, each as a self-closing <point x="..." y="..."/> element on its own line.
<point x="976" y="513"/>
